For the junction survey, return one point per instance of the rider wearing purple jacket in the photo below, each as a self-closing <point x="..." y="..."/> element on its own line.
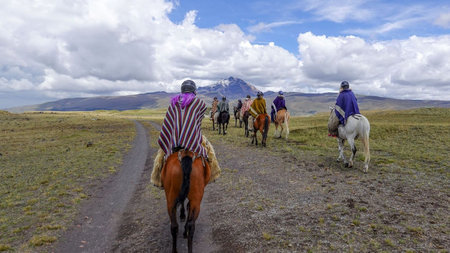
<point x="278" y="104"/>
<point x="346" y="104"/>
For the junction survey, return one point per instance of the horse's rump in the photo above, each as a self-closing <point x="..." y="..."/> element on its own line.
<point x="224" y="117"/>
<point x="281" y="116"/>
<point x="159" y="163"/>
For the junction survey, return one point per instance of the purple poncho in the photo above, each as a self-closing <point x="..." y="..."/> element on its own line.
<point x="346" y="105"/>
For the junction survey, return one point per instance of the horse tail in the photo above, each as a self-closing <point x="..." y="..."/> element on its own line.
<point x="266" y="126"/>
<point x="286" y="122"/>
<point x="365" y="141"/>
<point x="186" y="166"/>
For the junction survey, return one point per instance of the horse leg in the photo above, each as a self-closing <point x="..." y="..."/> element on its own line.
<point x="185" y="225"/>
<point x="341" y="151"/>
<point x="182" y="213"/>
<point x="287" y="126"/>
<point x="281" y="129"/>
<point x="173" y="227"/>
<point x="190" y="224"/>
<point x="351" y="142"/>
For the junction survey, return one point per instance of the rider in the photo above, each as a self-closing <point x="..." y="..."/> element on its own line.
<point x="278" y="104"/>
<point x="258" y="107"/>
<point x="223" y="105"/>
<point x="239" y="105"/>
<point x="180" y="132"/>
<point x="346" y="106"/>
<point x="214" y="107"/>
<point x="246" y="106"/>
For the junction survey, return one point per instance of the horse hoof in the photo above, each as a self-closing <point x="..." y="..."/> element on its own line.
<point x="346" y="165"/>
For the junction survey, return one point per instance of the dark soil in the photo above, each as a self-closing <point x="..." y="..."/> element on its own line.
<point x="274" y="202"/>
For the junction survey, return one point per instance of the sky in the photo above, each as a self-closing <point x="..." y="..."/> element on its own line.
<point x="51" y="49"/>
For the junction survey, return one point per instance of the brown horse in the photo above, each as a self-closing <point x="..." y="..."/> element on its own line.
<point x="184" y="175"/>
<point x="282" y="117"/>
<point x="262" y="124"/>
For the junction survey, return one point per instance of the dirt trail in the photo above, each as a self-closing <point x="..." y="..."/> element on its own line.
<point x="98" y="222"/>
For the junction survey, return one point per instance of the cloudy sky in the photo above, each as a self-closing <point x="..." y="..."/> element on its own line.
<point x="53" y="49"/>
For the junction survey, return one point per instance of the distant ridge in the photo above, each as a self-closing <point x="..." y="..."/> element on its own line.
<point x="233" y="88"/>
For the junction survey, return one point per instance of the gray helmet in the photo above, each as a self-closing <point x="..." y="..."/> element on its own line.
<point x="188" y="86"/>
<point x="345" y="85"/>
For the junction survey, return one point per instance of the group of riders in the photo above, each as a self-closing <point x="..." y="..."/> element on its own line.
<point x="181" y="127"/>
<point x="253" y="107"/>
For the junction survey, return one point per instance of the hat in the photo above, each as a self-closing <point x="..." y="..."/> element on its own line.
<point x="260" y="93"/>
<point x="188" y="86"/>
<point x="280" y="93"/>
<point x="224" y="98"/>
<point x="248" y="96"/>
<point x="345" y="85"/>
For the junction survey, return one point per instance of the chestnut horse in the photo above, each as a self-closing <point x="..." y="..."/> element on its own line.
<point x="262" y="124"/>
<point x="184" y="175"/>
<point x="281" y="117"/>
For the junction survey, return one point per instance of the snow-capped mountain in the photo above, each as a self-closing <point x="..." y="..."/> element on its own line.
<point x="231" y="87"/>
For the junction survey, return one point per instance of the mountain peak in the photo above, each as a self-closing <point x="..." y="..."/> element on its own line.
<point x="231" y="88"/>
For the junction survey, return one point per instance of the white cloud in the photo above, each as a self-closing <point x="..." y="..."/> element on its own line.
<point x="338" y="11"/>
<point x="392" y="68"/>
<point x="263" y="27"/>
<point x="443" y="20"/>
<point x="85" y="48"/>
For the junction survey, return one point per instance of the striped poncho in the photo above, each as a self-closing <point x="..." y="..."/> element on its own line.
<point x="182" y="127"/>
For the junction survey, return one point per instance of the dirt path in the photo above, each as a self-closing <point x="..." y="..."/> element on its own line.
<point x="99" y="219"/>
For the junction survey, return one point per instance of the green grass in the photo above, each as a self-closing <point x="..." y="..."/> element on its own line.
<point x="412" y="139"/>
<point x="46" y="168"/>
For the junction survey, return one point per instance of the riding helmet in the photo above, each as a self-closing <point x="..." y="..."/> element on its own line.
<point x="280" y="93"/>
<point x="188" y="86"/>
<point x="260" y="93"/>
<point x="345" y="85"/>
<point x="224" y="98"/>
<point x="248" y="96"/>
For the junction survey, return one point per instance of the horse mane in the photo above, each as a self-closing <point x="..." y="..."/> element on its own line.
<point x="186" y="165"/>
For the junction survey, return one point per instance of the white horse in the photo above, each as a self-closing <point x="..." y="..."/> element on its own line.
<point x="357" y="126"/>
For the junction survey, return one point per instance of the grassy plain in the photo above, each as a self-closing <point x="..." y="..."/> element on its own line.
<point x="48" y="162"/>
<point x="411" y="139"/>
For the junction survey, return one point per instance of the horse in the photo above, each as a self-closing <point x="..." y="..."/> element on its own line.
<point x="357" y="126"/>
<point x="237" y="116"/>
<point x="184" y="175"/>
<point x="282" y="116"/>
<point x="245" y="120"/>
<point x="262" y="124"/>
<point x="214" y="119"/>
<point x="223" y="120"/>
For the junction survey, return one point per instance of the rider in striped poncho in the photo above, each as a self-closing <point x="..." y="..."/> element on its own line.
<point x="181" y="129"/>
